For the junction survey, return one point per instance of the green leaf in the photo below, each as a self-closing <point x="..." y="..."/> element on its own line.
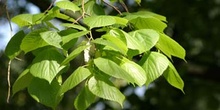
<point x="22" y="81"/>
<point x="133" y="69"/>
<point x="69" y="37"/>
<point x="75" y="26"/>
<point x="33" y="41"/>
<point x="116" y="41"/>
<point x="138" y="2"/>
<point x="22" y="19"/>
<point x="147" y="38"/>
<point x="149" y="23"/>
<point x="93" y="9"/>
<point x="144" y="14"/>
<point x="121" y="21"/>
<point x="55" y="12"/>
<point x="172" y="76"/>
<point x="154" y="64"/>
<point x="109" y="45"/>
<point x="74" y="54"/>
<point x="13" y="47"/>
<point x="111" y="68"/>
<point x="170" y="47"/>
<point x="74" y="79"/>
<point x="84" y="99"/>
<point x="46" y="65"/>
<point x="51" y="38"/>
<point x="68" y="5"/>
<point x="27" y="19"/>
<point x="99" y="21"/>
<point x="44" y="92"/>
<point x="105" y="90"/>
<point x="71" y="43"/>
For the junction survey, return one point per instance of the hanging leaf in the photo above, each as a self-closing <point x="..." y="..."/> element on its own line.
<point x="44" y="92"/>
<point x="67" y="5"/>
<point x="51" y="38"/>
<point x="172" y="77"/>
<point x="99" y="21"/>
<point x="133" y="69"/>
<point x="74" y="79"/>
<point x="22" y="81"/>
<point x="33" y="41"/>
<point x="147" y="37"/>
<point x="13" y="47"/>
<point x="105" y="90"/>
<point x="170" y="47"/>
<point x="84" y="99"/>
<point x="111" y="68"/>
<point x="154" y="64"/>
<point x="46" y="65"/>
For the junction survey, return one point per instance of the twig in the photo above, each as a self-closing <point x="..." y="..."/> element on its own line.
<point x="9" y="63"/>
<point x="8" y="79"/>
<point x="51" y="4"/>
<point x="83" y="9"/>
<point x="113" y="7"/>
<point x="124" y="6"/>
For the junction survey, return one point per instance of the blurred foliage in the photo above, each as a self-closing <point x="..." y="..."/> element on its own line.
<point x="195" y="24"/>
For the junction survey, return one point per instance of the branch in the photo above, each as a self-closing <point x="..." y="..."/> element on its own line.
<point x="113" y="7"/>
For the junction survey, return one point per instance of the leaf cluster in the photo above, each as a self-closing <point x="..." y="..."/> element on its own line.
<point x="107" y="58"/>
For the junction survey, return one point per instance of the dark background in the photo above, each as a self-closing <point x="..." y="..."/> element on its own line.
<point x="195" y="24"/>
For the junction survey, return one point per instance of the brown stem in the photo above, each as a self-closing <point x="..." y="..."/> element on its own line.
<point x="113" y="7"/>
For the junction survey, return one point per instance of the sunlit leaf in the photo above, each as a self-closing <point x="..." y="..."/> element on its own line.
<point x="133" y="69"/>
<point x="74" y="54"/>
<point x="13" y="47"/>
<point x="22" y="20"/>
<point x="68" y="5"/>
<point x="84" y="99"/>
<point x="46" y="65"/>
<point x="172" y="77"/>
<point x="93" y="9"/>
<point x="144" y="14"/>
<point x="79" y="27"/>
<point x="147" y="37"/>
<point x="74" y="79"/>
<point x="121" y="21"/>
<point x="116" y="41"/>
<point x="154" y="64"/>
<point x="33" y="41"/>
<point x="22" y="81"/>
<point x="111" y="68"/>
<point x="69" y="37"/>
<point x="105" y="90"/>
<point x="170" y="47"/>
<point x="109" y="44"/>
<point x="99" y="21"/>
<point x="149" y="23"/>
<point x="27" y="19"/>
<point x="51" y="38"/>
